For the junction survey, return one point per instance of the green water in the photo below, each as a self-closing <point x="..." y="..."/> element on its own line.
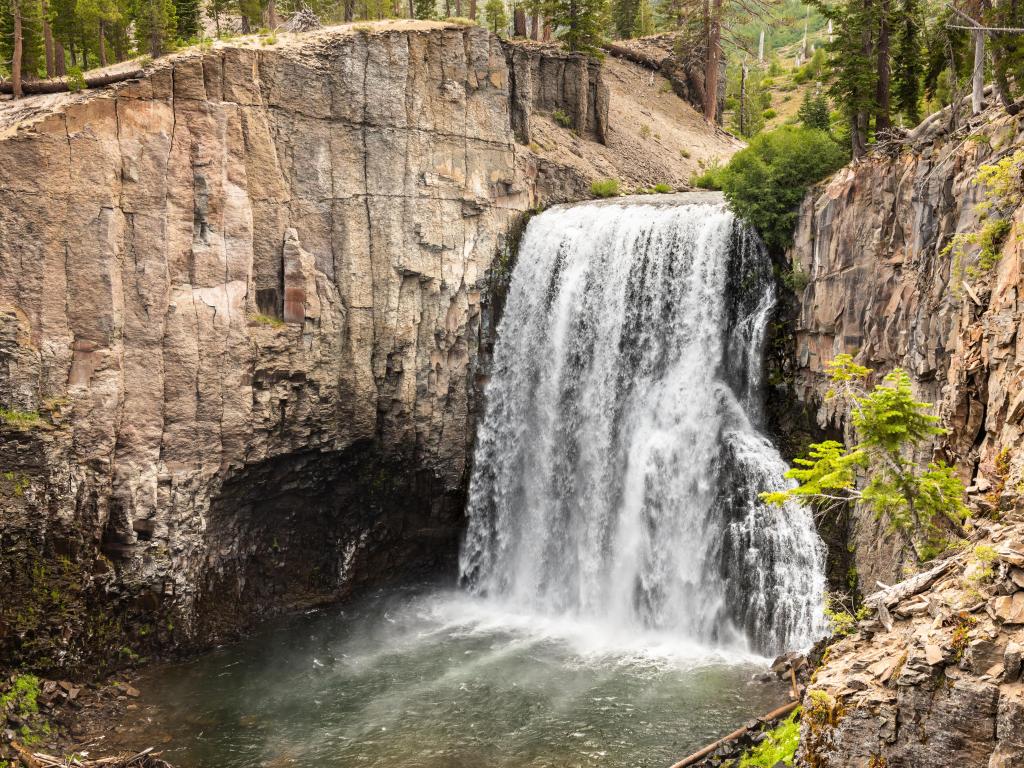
<point x="443" y="680"/>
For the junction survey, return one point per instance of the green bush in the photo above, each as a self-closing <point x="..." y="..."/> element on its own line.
<point x="605" y="188"/>
<point x="560" y="117"/>
<point x="779" y="745"/>
<point x="766" y="182"/>
<point x="709" y="178"/>
<point x="768" y="114"/>
<point x="662" y="189"/>
<point x="76" y="81"/>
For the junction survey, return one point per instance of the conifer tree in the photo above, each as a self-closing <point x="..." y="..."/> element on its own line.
<point x="624" y="17"/>
<point x="28" y="16"/>
<point x="427" y="9"/>
<point x="186" y="14"/>
<point x="495" y="16"/>
<point x="814" y="111"/>
<point x="580" y="23"/>
<point x="155" y="25"/>
<point x="907" y="64"/>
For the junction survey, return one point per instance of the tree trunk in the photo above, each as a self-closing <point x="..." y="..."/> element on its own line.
<point x="472" y="9"/>
<point x="18" y="46"/>
<point x="858" y="135"/>
<point x="60" y="64"/>
<point x="216" y="20"/>
<point x="458" y="8"/>
<point x="246" y="29"/>
<point x="547" y="32"/>
<point x="743" y="97"/>
<point x="882" y="118"/>
<point x="102" y="47"/>
<point x="978" y="76"/>
<point x="519" y="19"/>
<point x="273" y="22"/>
<point x="48" y="44"/>
<point x="711" y="61"/>
<point x="535" y="27"/>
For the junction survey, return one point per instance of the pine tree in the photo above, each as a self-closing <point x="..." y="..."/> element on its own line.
<point x="907" y="67"/>
<point x="625" y="14"/>
<point x="426" y="9"/>
<point x="33" y="50"/>
<point x="155" y="25"/>
<point x="853" y="64"/>
<point x="814" y="111"/>
<point x="186" y="13"/>
<point x="580" y="23"/>
<point x="495" y="16"/>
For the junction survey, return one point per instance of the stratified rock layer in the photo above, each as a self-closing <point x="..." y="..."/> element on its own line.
<point x="240" y="309"/>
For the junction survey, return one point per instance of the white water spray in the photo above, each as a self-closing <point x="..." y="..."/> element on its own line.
<point x="617" y="468"/>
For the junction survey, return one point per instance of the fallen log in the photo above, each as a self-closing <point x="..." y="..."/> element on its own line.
<point x="771" y="717"/>
<point x="912" y="586"/>
<point x="60" y="85"/>
<point x="622" y="52"/>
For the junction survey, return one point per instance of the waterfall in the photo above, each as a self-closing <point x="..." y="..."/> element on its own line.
<point x="617" y="467"/>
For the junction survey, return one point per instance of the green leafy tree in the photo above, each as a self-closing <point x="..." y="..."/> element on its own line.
<point x="814" y="111"/>
<point x="766" y="182"/>
<point x="427" y="9"/>
<point x="891" y="428"/>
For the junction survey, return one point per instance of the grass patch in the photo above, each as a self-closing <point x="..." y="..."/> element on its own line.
<point x="605" y="188"/>
<point x="663" y="189"/>
<point x="268" y="320"/>
<point x="462" y="21"/>
<point x="20" y="419"/>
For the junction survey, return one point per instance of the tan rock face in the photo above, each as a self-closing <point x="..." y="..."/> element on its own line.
<point x="871" y="242"/>
<point x="245" y="293"/>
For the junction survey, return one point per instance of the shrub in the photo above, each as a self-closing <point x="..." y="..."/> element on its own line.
<point x="605" y="188"/>
<point x="560" y="117"/>
<point x="779" y="746"/>
<point x="768" y="114"/>
<point x="709" y="178"/>
<point x="796" y="279"/>
<point x="76" y="81"/>
<point x="684" y="153"/>
<point x="766" y="182"/>
<point x="663" y="189"/>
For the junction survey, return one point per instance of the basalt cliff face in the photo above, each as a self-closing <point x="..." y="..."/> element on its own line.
<point x="242" y="306"/>
<point x="933" y="678"/>
<point x="871" y="244"/>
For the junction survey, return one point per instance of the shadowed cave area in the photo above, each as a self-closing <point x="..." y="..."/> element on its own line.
<point x="314" y="527"/>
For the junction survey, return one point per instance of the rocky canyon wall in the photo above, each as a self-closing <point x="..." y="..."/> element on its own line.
<point x="870" y="243"/>
<point x="240" y="316"/>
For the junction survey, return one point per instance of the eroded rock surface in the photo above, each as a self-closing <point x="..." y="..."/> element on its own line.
<point x="936" y="681"/>
<point x="240" y="317"/>
<point x="871" y="242"/>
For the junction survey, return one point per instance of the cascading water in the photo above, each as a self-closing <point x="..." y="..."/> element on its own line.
<point x="618" y="464"/>
<point x="614" y="528"/>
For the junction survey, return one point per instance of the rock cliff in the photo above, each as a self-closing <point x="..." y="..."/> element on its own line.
<point x="870" y="244"/>
<point x="933" y="678"/>
<point x="241" y="309"/>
